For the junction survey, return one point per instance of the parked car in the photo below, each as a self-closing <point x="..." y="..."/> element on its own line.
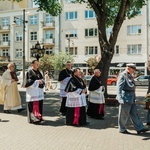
<point x="142" y="80"/>
<point x="112" y="80"/>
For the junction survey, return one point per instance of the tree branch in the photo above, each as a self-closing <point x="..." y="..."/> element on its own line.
<point x="118" y="23"/>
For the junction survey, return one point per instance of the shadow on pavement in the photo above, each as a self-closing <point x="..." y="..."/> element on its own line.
<point x="51" y="109"/>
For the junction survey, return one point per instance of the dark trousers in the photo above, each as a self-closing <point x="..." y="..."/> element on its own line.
<point x="63" y="107"/>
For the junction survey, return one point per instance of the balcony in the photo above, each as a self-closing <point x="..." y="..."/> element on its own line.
<point x="48" y="25"/>
<point x="4" y="29"/>
<point x="4" y="58"/>
<point x="4" y="44"/>
<point x="49" y="42"/>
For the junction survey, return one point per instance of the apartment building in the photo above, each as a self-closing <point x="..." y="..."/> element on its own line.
<point x="77" y="29"/>
<point x="39" y="26"/>
<point x="132" y="45"/>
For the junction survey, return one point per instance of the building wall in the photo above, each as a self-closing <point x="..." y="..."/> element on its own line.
<point x="123" y="39"/>
<point x="40" y="28"/>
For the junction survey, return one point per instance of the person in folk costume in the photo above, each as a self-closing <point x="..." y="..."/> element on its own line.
<point x="64" y="77"/>
<point x="9" y="90"/>
<point x="96" y="97"/>
<point x="126" y="98"/>
<point x="148" y="113"/>
<point x="76" y="100"/>
<point x="34" y="93"/>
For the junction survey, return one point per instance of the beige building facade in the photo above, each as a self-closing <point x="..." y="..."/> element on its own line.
<point x="132" y="45"/>
<point x="39" y="26"/>
<point x="74" y="31"/>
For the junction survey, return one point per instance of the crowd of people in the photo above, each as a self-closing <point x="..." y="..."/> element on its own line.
<point x="73" y="91"/>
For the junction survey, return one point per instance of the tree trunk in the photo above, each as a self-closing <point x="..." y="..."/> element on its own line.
<point x="104" y="66"/>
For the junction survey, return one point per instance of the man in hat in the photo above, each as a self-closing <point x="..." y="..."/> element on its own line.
<point x="64" y="77"/>
<point x="126" y="98"/>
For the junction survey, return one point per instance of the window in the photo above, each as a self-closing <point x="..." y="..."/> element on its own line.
<point x="5" y="22"/>
<point x="19" y="53"/>
<point x="35" y="4"/>
<point x="48" y="34"/>
<point x="5" y="52"/>
<point x="49" y="18"/>
<point x="33" y="20"/>
<point x="72" y="50"/>
<point x="72" y="33"/>
<point x="89" y="14"/>
<point x="33" y="36"/>
<point x="135" y="29"/>
<point x="91" y="32"/>
<point x="108" y="31"/>
<point x="49" y="51"/>
<point x="5" y="37"/>
<point x="117" y="49"/>
<point x="134" y="49"/>
<point x="18" y="21"/>
<point x="140" y="12"/>
<point x="91" y="50"/>
<point x="71" y="15"/>
<point x="19" y="36"/>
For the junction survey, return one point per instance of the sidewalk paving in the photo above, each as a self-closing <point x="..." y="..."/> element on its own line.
<point x="17" y="134"/>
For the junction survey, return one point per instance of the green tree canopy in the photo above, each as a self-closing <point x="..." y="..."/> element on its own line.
<point x="46" y="63"/>
<point x="60" y="59"/>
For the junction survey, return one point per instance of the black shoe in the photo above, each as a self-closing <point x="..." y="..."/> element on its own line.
<point x="87" y="123"/>
<point x="148" y="123"/>
<point x="125" y="132"/>
<point x="64" y="114"/>
<point x="7" y="111"/>
<point x="142" y="130"/>
<point x="21" y="109"/>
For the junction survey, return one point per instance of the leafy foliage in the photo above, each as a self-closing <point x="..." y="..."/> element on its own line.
<point x="92" y="63"/>
<point x="60" y="59"/>
<point x="46" y="63"/>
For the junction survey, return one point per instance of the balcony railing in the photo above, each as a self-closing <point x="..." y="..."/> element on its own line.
<point x="4" y="28"/>
<point x="5" y="43"/>
<point x="4" y="58"/>
<point x="49" y="41"/>
<point x="48" y="24"/>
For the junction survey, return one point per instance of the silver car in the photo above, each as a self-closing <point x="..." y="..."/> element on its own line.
<point x="142" y="80"/>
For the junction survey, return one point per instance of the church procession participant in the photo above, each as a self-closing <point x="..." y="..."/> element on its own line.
<point x="34" y="93"/>
<point x="148" y="112"/>
<point x="64" y="77"/>
<point x="126" y="97"/>
<point x="9" y="90"/>
<point x="76" y="100"/>
<point x="96" y="97"/>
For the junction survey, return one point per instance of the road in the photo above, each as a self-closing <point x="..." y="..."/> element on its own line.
<point x="140" y="90"/>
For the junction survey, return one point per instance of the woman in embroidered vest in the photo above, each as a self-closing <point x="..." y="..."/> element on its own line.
<point x="76" y="100"/>
<point x="34" y="93"/>
<point x="96" y="97"/>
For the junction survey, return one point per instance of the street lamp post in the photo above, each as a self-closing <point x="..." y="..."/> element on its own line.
<point x="23" y="50"/>
<point x="36" y="51"/>
<point x="68" y="43"/>
<point x="23" y="41"/>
